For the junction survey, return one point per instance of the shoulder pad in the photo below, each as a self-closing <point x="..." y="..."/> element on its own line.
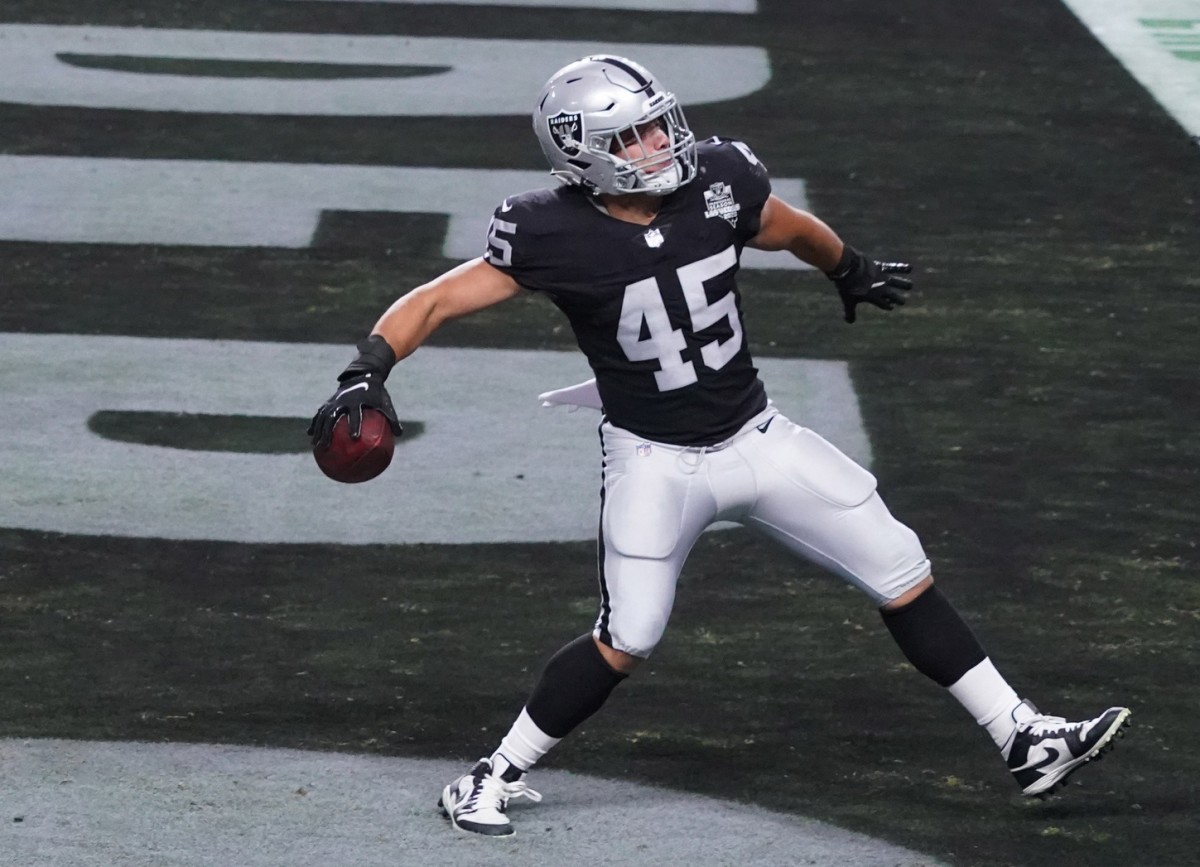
<point x="537" y="211"/>
<point x="521" y="225"/>
<point x="736" y="152"/>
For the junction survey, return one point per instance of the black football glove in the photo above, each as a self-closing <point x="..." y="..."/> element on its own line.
<point x="360" y="386"/>
<point x="860" y="279"/>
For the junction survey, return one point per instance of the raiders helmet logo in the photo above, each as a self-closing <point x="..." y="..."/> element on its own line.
<point x="566" y="130"/>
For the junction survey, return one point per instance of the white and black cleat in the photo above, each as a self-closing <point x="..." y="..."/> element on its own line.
<point x="1044" y="750"/>
<point x="477" y="802"/>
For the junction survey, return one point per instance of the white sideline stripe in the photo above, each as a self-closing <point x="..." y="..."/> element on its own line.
<point x="492" y="466"/>
<point x="96" y="804"/>
<point x="744" y="7"/>
<point x="208" y="203"/>
<point x="1136" y="34"/>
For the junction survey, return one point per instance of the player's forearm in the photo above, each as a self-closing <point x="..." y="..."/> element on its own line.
<point x="410" y="320"/>
<point x="810" y="239"/>
<point x="462" y="290"/>
<point x="414" y="316"/>
<point x="798" y="232"/>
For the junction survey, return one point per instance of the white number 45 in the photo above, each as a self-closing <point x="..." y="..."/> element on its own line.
<point x="643" y="304"/>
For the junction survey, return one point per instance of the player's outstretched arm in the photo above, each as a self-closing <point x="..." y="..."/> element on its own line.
<point x="403" y="327"/>
<point x="470" y="287"/>
<point x="858" y="278"/>
<point x="783" y="227"/>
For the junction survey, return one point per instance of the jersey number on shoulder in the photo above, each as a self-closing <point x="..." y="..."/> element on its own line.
<point x="504" y="259"/>
<point x="745" y="151"/>
<point x="643" y="304"/>
<point x="741" y="147"/>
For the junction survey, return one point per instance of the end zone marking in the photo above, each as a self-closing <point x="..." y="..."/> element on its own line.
<point x="493" y="467"/>
<point x="142" y="805"/>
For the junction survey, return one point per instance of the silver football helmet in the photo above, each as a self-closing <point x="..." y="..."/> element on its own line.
<point x="606" y="124"/>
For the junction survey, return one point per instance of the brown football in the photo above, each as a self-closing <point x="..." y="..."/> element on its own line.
<point x="351" y="461"/>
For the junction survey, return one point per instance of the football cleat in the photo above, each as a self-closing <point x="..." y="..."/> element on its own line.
<point x="478" y="800"/>
<point x="1044" y="750"/>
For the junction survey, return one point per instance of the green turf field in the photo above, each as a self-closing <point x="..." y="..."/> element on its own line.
<point x="1032" y="413"/>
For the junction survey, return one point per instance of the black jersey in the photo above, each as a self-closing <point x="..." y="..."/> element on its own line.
<point x="655" y="308"/>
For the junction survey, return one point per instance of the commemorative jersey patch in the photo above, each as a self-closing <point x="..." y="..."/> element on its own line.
<point x="719" y="202"/>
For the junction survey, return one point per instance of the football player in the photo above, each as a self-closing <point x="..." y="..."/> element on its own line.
<point x="639" y="248"/>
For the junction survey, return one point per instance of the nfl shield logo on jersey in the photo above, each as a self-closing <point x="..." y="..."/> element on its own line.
<point x="654" y="238"/>
<point x="566" y="130"/>
<point x="718" y="201"/>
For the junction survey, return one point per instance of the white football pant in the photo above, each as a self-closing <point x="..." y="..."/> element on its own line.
<point x="772" y="476"/>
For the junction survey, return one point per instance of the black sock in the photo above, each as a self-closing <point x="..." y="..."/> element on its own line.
<point x="934" y="638"/>
<point x="576" y="682"/>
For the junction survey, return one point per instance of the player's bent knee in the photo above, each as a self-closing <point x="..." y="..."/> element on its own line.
<point x="890" y="562"/>
<point x="618" y="660"/>
<point x="637" y="635"/>
<point x="909" y="595"/>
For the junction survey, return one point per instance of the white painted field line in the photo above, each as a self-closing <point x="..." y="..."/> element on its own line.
<point x="1158" y="41"/>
